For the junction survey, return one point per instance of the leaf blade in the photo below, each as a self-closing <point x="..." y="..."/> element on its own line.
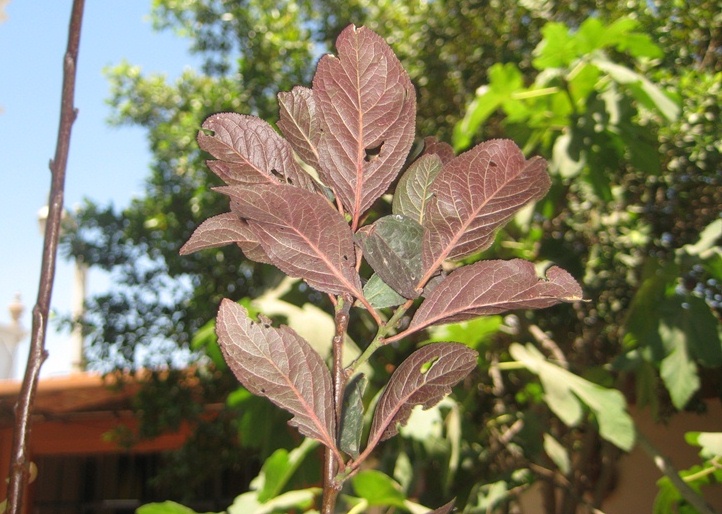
<point x="413" y="383"/>
<point x="301" y="234"/>
<point x="474" y="195"/>
<point x="278" y="364"/>
<point x="299" y="124"/>
<point x="492" y="287"/>
<point x="367" y="105"/>
<point x="249" y="151"/>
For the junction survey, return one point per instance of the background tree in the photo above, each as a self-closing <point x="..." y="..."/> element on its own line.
<point x="613" y="218"/>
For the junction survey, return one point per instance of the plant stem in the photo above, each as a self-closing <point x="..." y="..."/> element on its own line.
<point x="378" y="339"/>
<point x="331" y="487"/>
<point x="19" y="466"/>
<point x="666" y="467"/>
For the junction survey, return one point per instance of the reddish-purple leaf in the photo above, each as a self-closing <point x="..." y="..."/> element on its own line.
<point x="302" y="234"/>
<point x="493" y="287"/>
<point x="279" y="364"/>
<point x="444" y="509"/>
<point x="249" y="151"/>
<point x="299" y="124"/>
<point x="432" y="145"/>
<point x="424" y="378"/>
<point x="224" y="229"/>
<point x="474" y="195"/>
<point x="367" y="105"/>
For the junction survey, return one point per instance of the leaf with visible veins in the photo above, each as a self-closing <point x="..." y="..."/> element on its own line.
<point x="424" y="378"/>
<point x="474" y="195"/>
<point x="249" y="151"/>
<point x="279" y="364"/>
<point x="492" y="287"/>
<point x="299" y="124"/>
<point x="302" y="234"/>
<point x="367" y="105"/>
<point x="221" y="230"/>
<point x="413" y="191"/>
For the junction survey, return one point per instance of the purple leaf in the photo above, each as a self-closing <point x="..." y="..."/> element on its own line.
<point x="367" y="104"/>
<point x="302" y="234"/>
<point x="249" y="151"/>
<point x="279" y="364"/>
<point x="298" y="123"/>
<point x="493" y="287"/>
<point x="474" y="195"/>
<point x="224" y="229"/>
<point x="424" y="378"/>
<point x="435" y="147"/>
<point x="444" y="509"/>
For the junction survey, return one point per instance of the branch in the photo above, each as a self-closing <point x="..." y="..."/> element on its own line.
<point x="19" y="466"/>
<point x="666" y="467"/>
<point x="331" y="487"/>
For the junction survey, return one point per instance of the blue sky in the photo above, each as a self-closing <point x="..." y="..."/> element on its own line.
<point x="105" y="164"/>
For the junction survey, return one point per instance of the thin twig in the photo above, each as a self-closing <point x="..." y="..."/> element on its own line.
<point x="666" y="467"/>
<point x="550" y="345"/>
<point x="19" y="466"/>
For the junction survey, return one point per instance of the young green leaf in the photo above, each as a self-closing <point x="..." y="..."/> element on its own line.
<point x="424" y="378"/>
<point x="414" y="188"/>
<point x="380" y="295"/>
<point x="352" y="416"/>
<point x="367" y="105"/>
<point x="301" y="234"/>
<point x="280" y="365"/>
<point x="492" y="287"/>
<point x="474" y="195"/>
<point x="249" y="151"/>
<point x="392" y="247"/>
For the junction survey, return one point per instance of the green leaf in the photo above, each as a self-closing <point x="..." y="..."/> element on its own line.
<point x="414" y="188"/>
<point x="378" y="488"/>
<point x="646" y="92"/>
<point x="278" y="469"/>
<point x="380" y="295"/>
<point x="473" y="333"/>
<point x="679" y="374"/>
<point x="708" y="240"/>
<point x="711" y="443"/>
<point x="392" y="247"/>
<point x="248" y="503"/>
<point x="352" y="416"/>
<point x="557" y="453"/>
<point x="557" y="48"/>
<point x="563" y="391"/>
<point x="167" y="507"/>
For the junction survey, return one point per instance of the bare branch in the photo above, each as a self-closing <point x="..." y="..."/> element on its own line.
<point x="19" y="466"/>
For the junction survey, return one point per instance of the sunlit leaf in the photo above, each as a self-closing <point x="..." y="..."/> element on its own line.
<point x="564" y="391"/>
<point x="223" y="229"/>
<point x="278" y="364"/>
<point x="492" y="287"/>
<point x="378" y="488"/>
<point x="368" y="105"/>
<point x="424" y="378"/>
<point x="301" y="234"/>
<point x="299" y="123"/>
<point x="249" y="151"/>
<point x="414" y="188"/>
<point x="474" y="195"/>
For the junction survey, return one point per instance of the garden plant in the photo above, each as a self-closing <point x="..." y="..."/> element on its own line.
<point x="302" y="200"/>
